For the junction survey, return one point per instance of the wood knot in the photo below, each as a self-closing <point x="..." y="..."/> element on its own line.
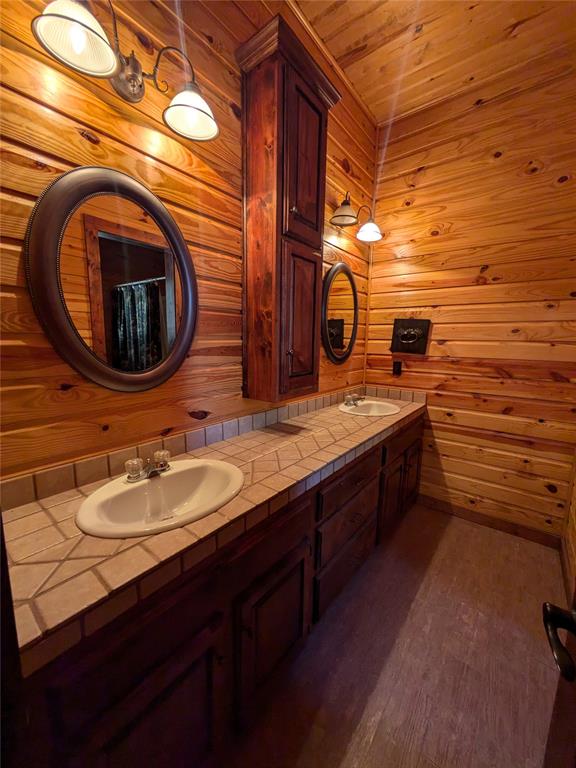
<point x="65" y="387"/>
<point x="167" y="431"/>
<point x="145" y="42"/>
<point x="551" y="487"/>
<point x="236" y="110"/>
<point x="498" y="154"/>
<point x="105" y="427"/>
<point x="346" y="165"/>
<point x="484" y="267"/>
<point x="89" y="136"/>
<point x="199" y="414"/>
<point x="562" y="179"/>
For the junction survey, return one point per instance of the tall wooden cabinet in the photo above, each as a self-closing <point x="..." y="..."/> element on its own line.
<point x="286" y="99"/>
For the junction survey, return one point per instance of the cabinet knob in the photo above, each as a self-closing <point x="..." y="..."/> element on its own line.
<point x="290" y="352"/>
<point x="294" y="209"/>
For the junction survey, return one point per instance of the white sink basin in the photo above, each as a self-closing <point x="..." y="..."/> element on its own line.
<point x="189" y="490"/>
<point x="370" y="408"/>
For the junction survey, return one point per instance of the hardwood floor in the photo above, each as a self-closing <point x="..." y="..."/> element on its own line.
<point x="433" y="657"/>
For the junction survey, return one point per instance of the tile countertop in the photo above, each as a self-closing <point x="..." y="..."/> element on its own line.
<point x="67" y="585"/>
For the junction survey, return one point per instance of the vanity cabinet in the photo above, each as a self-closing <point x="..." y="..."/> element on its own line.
<point x="167" y="682"/>
<point x="284" y="119"/>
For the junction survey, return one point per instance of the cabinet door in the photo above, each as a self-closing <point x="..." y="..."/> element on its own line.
<point x="171" y="719"/>
<point x="300" y="331"/>
<point x="331" y="580"/>
<point x="305" y="161"/>
<point x="412" y="460"/>
<point x="391" y="497"/>
<point x="272" y="620"/>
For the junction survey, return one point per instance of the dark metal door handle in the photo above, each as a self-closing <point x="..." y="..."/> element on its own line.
<point x="556" y="618"/>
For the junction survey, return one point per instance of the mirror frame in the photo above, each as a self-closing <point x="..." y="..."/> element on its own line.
<point x="337" y="269"/>
<point x="44" y="235"/>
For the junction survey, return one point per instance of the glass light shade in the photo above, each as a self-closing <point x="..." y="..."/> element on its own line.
<point x="369" y="232"/>
<point x="189" y="115"/>
<point x="344" y="215"/>
<point x="70" y="33"/>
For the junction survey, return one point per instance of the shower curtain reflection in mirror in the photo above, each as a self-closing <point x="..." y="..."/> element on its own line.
<point x="140" y="332"/>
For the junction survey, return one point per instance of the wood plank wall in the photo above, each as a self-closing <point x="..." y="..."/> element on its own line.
<point x="476" y="197"/>
<point x="53" y="120"/>
<point x="569" y="549"/>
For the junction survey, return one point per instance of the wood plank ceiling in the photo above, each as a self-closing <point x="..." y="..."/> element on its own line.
<point x="402" y="56"/>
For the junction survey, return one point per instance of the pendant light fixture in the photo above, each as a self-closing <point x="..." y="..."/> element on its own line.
<point x="71" y="34"/>
<point x="346" y="216"/>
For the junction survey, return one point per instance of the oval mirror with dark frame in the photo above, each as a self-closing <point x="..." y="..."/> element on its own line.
<point x="111" y="279"/>
<point x="339" y="322"/>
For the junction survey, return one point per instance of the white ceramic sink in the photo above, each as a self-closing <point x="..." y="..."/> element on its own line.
<point x="370" y="408"/>
<point x="189" y="490"/>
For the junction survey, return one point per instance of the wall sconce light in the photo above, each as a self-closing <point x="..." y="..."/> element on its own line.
<point x="346" y="216"/>
<point x="369" y="232"/>
<point x="72" y="35"/>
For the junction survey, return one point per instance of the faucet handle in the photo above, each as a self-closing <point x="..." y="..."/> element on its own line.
<point x="134" y="468"/>
<point x="347" y="399"/>
<point x="161" y="459"/>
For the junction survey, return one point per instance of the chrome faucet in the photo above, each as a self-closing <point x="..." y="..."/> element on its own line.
<point x="353" y="399"/>
<point x="138" y="470"/>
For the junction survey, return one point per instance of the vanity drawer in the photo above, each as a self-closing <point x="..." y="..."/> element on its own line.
<point x="334" y="532"/>
<point x="346" y="485"/>
<point x="332" y="580"/>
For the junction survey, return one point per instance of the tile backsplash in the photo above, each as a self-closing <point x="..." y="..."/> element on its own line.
<point x="26" y="489"/>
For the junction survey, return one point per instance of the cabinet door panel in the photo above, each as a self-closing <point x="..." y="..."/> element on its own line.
<point x="332" y="579"/>
<point x="391" y="497"/>
<point x="301" y="291"/>
<point x="412" y="472"/>
<point x="305" y="161"/>
<point x="272" y="620"/>
<point x="172" y="718"/>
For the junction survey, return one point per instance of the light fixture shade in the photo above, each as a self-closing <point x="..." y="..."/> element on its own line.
<point x="70" y="33"/>
<point x="344" y="215"/>
<point x="369" y="232"/>
<point x="189" y="115"/>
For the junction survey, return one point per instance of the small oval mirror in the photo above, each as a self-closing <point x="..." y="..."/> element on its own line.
<point x="339" y="323"/>
<point x="111" y="279"/>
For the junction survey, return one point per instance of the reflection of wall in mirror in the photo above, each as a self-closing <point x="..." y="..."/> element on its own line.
<point x="341" y="307"/>
<point x="84" y="284"/>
